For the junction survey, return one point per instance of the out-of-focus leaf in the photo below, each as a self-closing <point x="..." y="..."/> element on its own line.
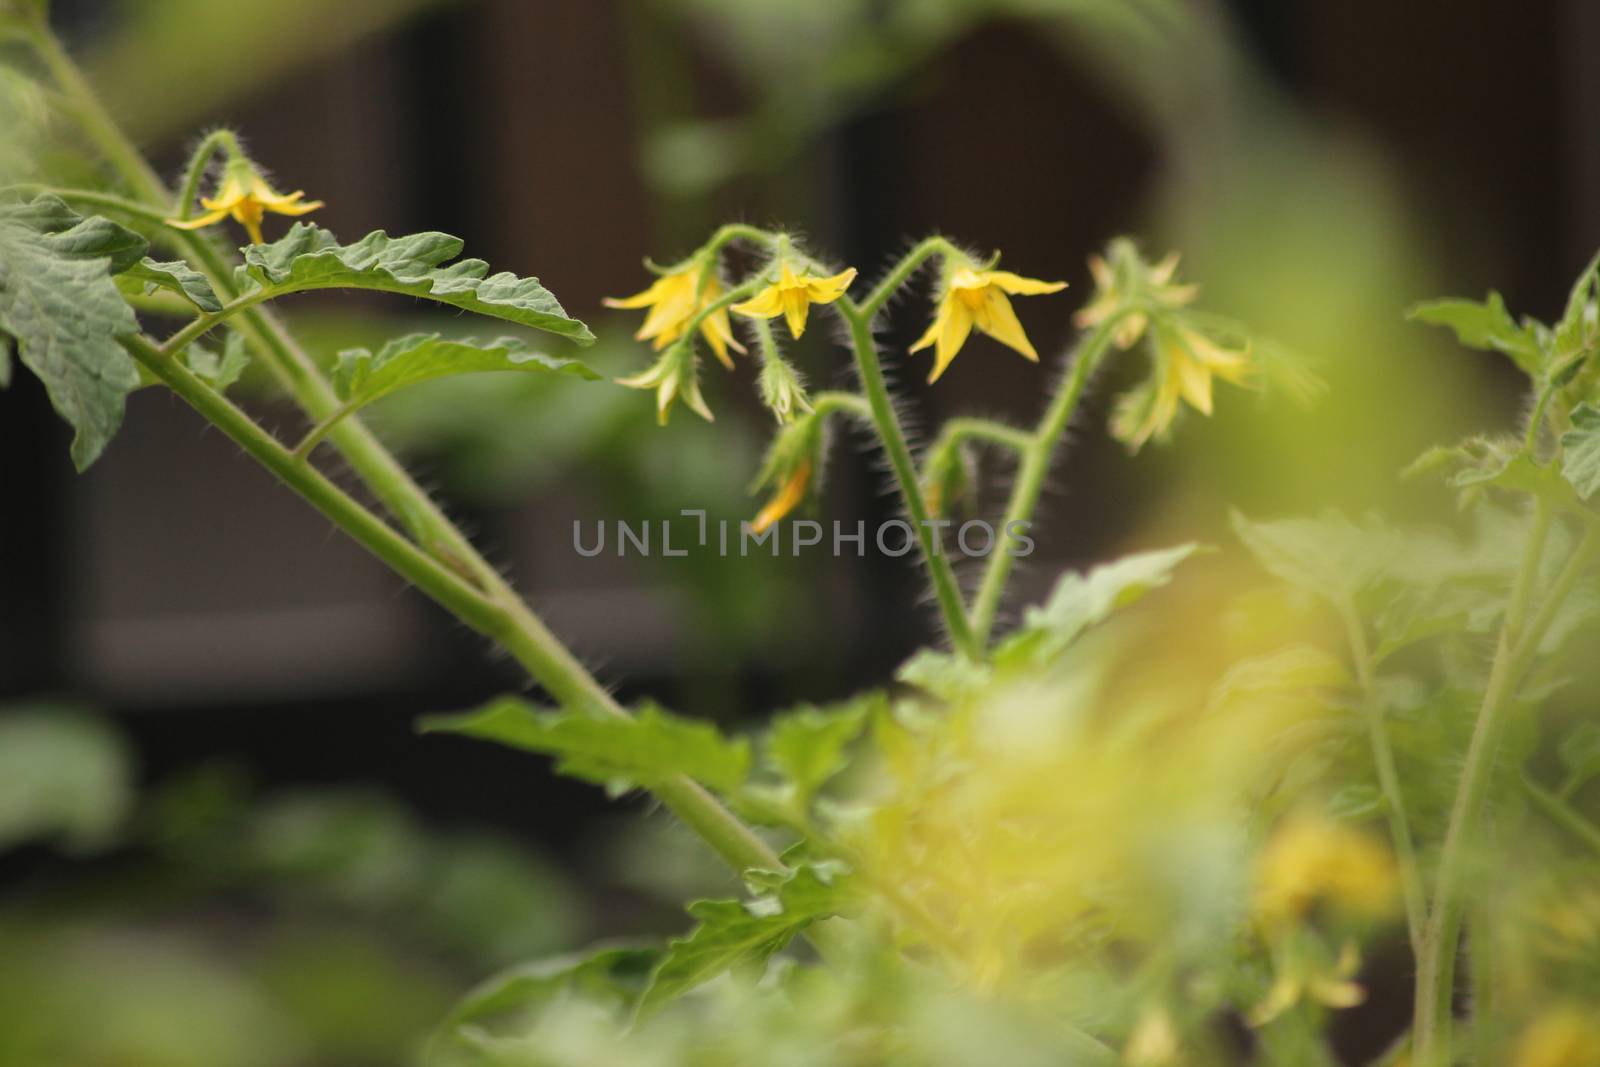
<point x="309" y="257"/>
<point x="362" y="377"/>
<point x="1486" y="326"/>
<point x="807" y="746"/>
<point x="949" y="677"/>
<point x="178" y="277"/>
<point x="59" y="304"/>
<point x="1295" y="669"/>
<point x="732" y="932"/>
<point x="620" y="753"/>
<point x="63" y="775"/>
<point x="1329" y="555"/>
<point x="1580" y="455"/>
<point x="219" y="371"/>
<point x="1080" y="601"/>
<point x="606" y="972"/>
<point x="1580" y="755"/>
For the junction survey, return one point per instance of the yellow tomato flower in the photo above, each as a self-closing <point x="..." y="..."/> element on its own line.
<point x="1186" y="361"/>
<point x="1110" y="295"/>
<point x="793" y="294"/>
<point x="672" y="376"/>
<point x="1310" y="860"/>
<point x="1561" y="1037"/>
<point x="1331" y="987"/>
<point x="978" y="298"/>
<point x="674" y="299"/>
<point x="246" y="196"/>
<point x="788" y="497"/>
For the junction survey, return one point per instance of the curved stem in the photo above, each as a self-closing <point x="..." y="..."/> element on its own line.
<point x="521" y="632"/>
<point x="195" y="171"/>
<point x="957" y="430"/>
<point x="1412" y="890"/>
<point x="1563" y="814"/>
<point x="1035" y="465"/>
<point x="902" y="272"/>
<point x="825" y="404"/>
<point x="876" y="391"/>
<point x="198" y="327"/>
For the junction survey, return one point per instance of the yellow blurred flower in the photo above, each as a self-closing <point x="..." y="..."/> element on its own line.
<point x="246" y="196"/>
<point x="1311" y="861"/>
<point x="674" y="299"/>
<point x="1561" y="1037"/>
<point x="1186" y="361"/>
<point x="978" y="298"/>
<point x="1112" y="294"/>
<point x="1297" y="981"/>
<point x="787" y="498"/>
<point x="1154" y="1041"/>
<point x="793" y="294"/>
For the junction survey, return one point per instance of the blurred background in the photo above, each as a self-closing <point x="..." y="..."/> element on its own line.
<point x="210" y="761"/>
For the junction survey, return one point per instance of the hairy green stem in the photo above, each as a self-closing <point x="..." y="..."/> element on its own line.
<point x="876" y="391"/>
<point x="1412" y="889"/>
<point x="1518" y="645"/>
<point x="960" y="429"/>
<point x="522" y="633"/>
<point x="902" y="272"/>
<point x="1558" y="811"/>
<point x="1029" y="482"/>
<point x="195" y="172"/>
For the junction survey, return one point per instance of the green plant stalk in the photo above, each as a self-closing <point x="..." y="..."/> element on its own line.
<point x="523" y="634"/>
<point x="1563" y="815"/>
<point x="1412" y="890"/>
<point x="1518" y="644"/>
<point x="960" y="429"/>
<point x="1035" y="465"/>
<point x="876" y="391"/>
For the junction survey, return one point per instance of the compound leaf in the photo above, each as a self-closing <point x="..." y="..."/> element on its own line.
<point x="178" y="277"/>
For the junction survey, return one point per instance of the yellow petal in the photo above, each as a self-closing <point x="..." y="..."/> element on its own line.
<point x="291" y="207"/>
<point x="639" y="300"/>
<point x="1284" y="994"/>
<point x="935" y="328"/>
<point x="788" y="497"/>
<point x="764" y="305"/>
<point x="199" y="220"/>
<point x="952" y="335"/>
<point x="1017" y="285"/>
<point x="1336" y="993"/>
<point x="827" y="290"/>
<point x="718" y="332"/>
<point x="795" y="309"/>
<point x="1162" y="272"/>
<point x="999" y="321"/>
<point x="1193" y="380"/>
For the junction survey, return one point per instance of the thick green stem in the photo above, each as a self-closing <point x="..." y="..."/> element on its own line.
<point x="515" y="626"/>
<point x="1034" y="467"/>
<point x="1389" y="782"/>
<point x="1518" y="646"/>
<point x="876" y="391"/>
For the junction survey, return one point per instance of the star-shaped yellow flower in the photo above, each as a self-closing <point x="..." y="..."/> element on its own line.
<point x="672" y="377"/>
<point x="674" y="299"/>
<point x="788" y="497"/>
<point x="793" y="294"/>
<point x="1186" y="361"/>
<point x="978" y="298"/>
<point x="246" y="196"/>
<point x="1333" y="987"/>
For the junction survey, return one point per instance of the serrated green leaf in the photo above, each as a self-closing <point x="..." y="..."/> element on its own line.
<point x="1080" y="601"/>
<point x="807" y="746"/>
<point x="361" y="377"/>
<point x="222" y="371"/>
<point x="607" y="972"/>
<point x="58" y="302"/>
<point x="618" y="753"/>
<point x="1329" y="555"/>
<point x="1486" y="326"/>
<point x="1418" y="613"/>
<point x="1580" y="755"/>
<point x="949" y="677"/>
<point x="175" y="276"/>
<point x="1580" y="455"/>
<point x="309" y="257"/>
<point x="731" y="932"/>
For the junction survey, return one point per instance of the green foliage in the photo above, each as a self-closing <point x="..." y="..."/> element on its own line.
<point x="732" y="933"/>
<point x="63" y="777"/>
<point x="66" y="316"/>
<point x="1580" y="451"/>
<point x="1488" y="327"/>
<point x="178" y="277"/>
<point x="807" y="746"/>
<point x="1329" y="555"/>
<point x="361" y="377"/>
<point x="618" y="753"/>
<point x="1580" y="756"/>
<point x="616" y="973"/>
<point x="219" y="371"/>
<point x="1080" y="601"/>
<point x="309" y="257"/>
